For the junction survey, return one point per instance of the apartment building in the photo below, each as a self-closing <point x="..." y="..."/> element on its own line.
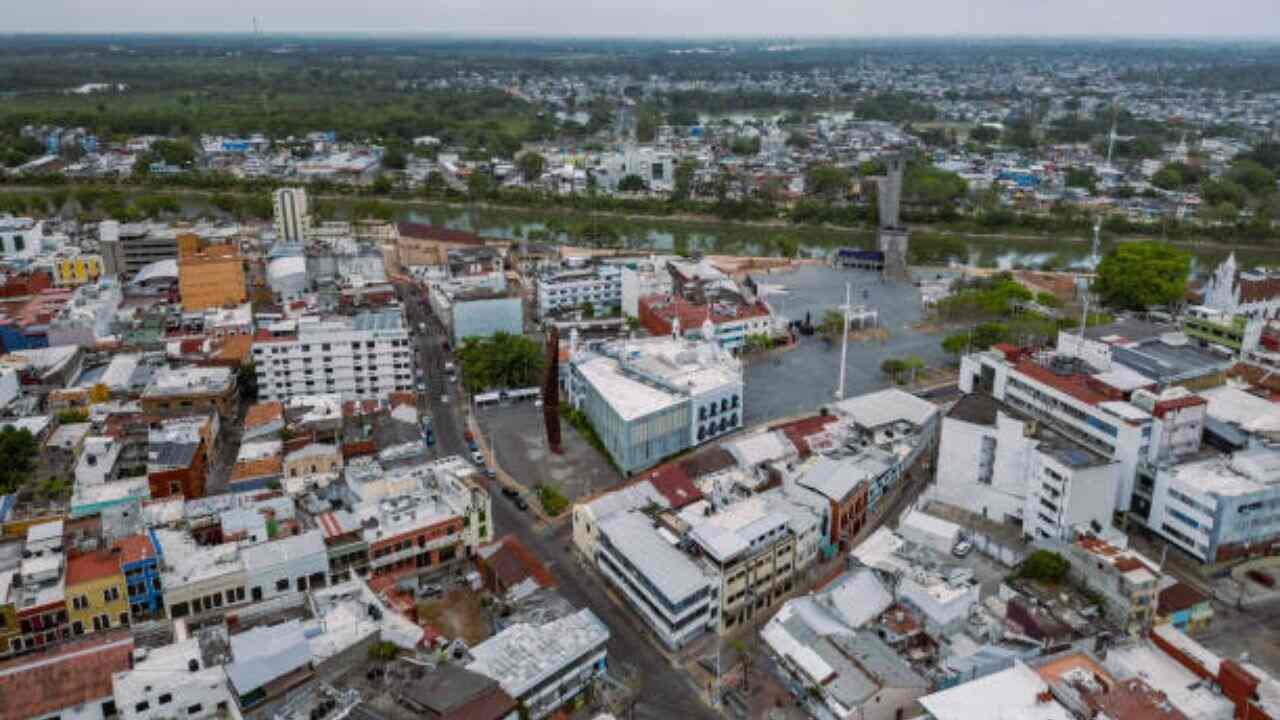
<point x="599" y="286"/>
<point x="38" y="590"/>
<point x="364" y="357"/>
<point x="649" y="399"/>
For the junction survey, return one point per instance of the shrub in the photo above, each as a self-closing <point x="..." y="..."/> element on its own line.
<point x="1045" y="566"/>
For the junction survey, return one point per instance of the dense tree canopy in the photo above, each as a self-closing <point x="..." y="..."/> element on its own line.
<point x="1139" y="275"/>
<point x="502" y="362"/>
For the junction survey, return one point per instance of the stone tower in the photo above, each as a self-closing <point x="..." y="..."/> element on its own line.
<point x="892" y="235"/>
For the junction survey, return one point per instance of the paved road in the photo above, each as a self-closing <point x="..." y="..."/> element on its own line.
<point x="1255" y="631"/>
<point x="667" y="692"/>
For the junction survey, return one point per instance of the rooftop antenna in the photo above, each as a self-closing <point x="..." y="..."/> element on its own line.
<point x="844" y="339"/>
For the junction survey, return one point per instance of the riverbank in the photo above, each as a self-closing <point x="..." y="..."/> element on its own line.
<point x="707" y="234"/>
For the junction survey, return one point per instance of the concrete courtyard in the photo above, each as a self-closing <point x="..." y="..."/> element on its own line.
<point x="518" y="439"/>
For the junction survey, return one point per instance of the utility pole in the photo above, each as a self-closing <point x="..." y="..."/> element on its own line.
<point x="844" y="339"/>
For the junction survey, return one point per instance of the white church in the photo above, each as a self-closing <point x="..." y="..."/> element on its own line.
<point x="1253" y="294"/>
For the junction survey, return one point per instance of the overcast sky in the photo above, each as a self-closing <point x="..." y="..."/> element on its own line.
<point x="1238" y="18"/>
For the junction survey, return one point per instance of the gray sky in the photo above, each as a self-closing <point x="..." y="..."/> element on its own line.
<point x="659" y="17"/>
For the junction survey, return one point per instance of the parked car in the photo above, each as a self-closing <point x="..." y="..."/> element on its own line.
<point x="521" y="503"/>
<point x="477" y="457"/>
<point x="962" y="548"/>
<point x="510" y="492"/>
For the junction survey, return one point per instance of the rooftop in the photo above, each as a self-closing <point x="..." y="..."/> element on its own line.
<point x="523" y="655"/>
<point x="1017" y="693"/>
<point x="633" y="536"/>
<point x="68" y="676"/>
<point x="886" y="407"/>
<point x="190" y="381"/>
<point x="87" y="567"/>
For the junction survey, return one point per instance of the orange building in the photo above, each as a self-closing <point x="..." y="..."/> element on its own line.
<point x="210" y="277"/>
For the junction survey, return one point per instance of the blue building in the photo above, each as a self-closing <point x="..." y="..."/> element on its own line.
<point x="140" y="560"/>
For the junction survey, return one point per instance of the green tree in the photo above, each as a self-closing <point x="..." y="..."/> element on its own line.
<point x="1045" y="566"/>
<point x="1082" y="177"/>
<point x="503" y="361"/>
<point x="799" y="140"/>
<point x="18" y="453"/>
<point x="531" y="165"/>
<point x="1224" y="190"/>
<point x="632" y="183"/>
<point x="1253" y="177"/>
<point x="984" y="134"/>
<point x="394" y="158"/>
<point x="1138" y="275"/>
<point x="683" y="180"/>
<point x="826" y="182"/>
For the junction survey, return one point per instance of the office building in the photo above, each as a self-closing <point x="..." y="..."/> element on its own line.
<point x="289" y="210"/>
<point x="651" y="398"/>
<point x="1011" y="469"/>
<point x="364" y="357"/>
<point x="1217" y="508"/>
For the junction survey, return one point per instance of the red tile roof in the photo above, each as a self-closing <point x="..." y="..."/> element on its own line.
<point x="1259" y="290"/>
<point x="134" y="548"/>
<point x="692" y="316"/>
<point x="419" y="231"/>
<point x="87" y="567"/>
<point x="672" y="481"/>
<point x="263" y="413"/>
<point x="74" y="674"/>
<point x="1077" y="386"/>
<point x="512" y="563"/>
<point x="799" y="431"/>
<point x="1178" y="597"/>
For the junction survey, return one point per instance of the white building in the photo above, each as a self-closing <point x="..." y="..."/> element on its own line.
<point x="173" y="681"/>
<point x="649" y="399"/>
<point x="363" y="357"/>
<point x="88" y="317"/>
<point x="571" y="289"/>
<point x="20" y="237"/>
<point x="291" y="564"/>
<point x="1018" y="692"/>
<point x="289" y="207"/>
<point x="997" y="463"/>
<point x="643" y="278"/>
<point x="545" y="666"/>
<point x="1235" y="292"/>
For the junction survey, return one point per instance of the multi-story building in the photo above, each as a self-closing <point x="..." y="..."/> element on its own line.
<point x="649" y="399"/>
<point x="291" y="564"/>
<point x="545" y="667"/>
<point x="1126" y="580"/>
<point x="363" y="357"/>
<point x="197" y="579"/>
<point x="89" y="315"/>
<point x="717" y="314"/>
<point x="97" y="598"/>
<point x="141" y="570"/>
<point x="173" y="681"/>
<point x="127" y="249"/>
<point x="192" y="391"/>
<point x="641" y="278"/>
<point x="470" y="309"/>
<point x="599" y="287"/>
<point x="38" y="591"/>
<point x="1219" y="508"/>
<point x="20" y="237"/>
<point x="289" y="210"/>
<point x="1006" y="467"/>
<point x="212" y="277"/>
<point x="71" y="682"/>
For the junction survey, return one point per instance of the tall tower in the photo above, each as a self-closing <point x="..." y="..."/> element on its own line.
<point x="892" y="235"/>
<point x="290" y="210"/>
<point x="551" y="391"/>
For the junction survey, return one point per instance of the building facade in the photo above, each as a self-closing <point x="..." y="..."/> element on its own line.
<point x="289" y="210"/>
<point x="364" y="357"/>
<point x="97" y="598"/>
<point x="572" y="289"/>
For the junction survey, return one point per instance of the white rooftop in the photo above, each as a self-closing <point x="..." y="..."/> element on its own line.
<point x="523" y="655"/>
<point x="633" y="536"/>
<point x="1012" y="694"/>
<point x="886" y="407"/>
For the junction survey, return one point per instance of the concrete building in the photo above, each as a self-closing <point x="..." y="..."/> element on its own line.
<point x="641" y="278"/>
<point x="470" y="309"/>
<point x="173" y="681"/>
<point x="38" y="590"/>
<point x="88" y="317"/>
<point x="649" y="399"/>
<point x="289" y="211"/>
<point x="212" y="277"/>
<point x="192" y="391"/>
<point x="1011" y="469"/>
<point x="1234" y="292"/>
<point x="545" y="667"/>
<point x="291" y="564"/>
<point x="1219" y="508"/>
<point x="127" y="249"/>
<point x="367" y="356"/>
<point x="97" y="598"/>
<point x="599" y="286"/>
<point x="198" y="580"/>
<point x="1126" y="580"/>
<point x="20" y="237"/>
<point x="1018" y="692"/>
<point x="77" y="270"/>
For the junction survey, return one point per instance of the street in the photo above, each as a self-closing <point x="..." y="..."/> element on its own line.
<point x="667" y="692"/>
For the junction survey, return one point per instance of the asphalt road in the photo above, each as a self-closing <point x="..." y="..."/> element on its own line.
<point x="667" y="692"/>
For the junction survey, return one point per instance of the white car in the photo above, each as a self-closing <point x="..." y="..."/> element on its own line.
<point x="444" y="399"/>
<point x="475" y="455"/>
<point x="962" y="548"/>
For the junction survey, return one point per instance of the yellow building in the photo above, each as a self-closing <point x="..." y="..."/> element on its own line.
<point x="211" y="278"/>
<point x="97" y="597"/>
<point x="78" y="270"/>
<point x="8" y="614"/>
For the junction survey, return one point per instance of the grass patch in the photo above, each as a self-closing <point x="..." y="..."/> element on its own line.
<point x="553" y="501"/>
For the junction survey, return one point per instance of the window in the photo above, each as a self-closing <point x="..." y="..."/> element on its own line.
<point x="282" y="585"/>
<point x="142" y="707"/>
<point x="111" y="594"/>
<point x="80" y="602"/>
<point x="194" y="709"/>
<point x="166" y="698"/>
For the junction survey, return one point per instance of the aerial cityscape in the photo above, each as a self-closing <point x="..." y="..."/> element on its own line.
<point x="650" y="361"/>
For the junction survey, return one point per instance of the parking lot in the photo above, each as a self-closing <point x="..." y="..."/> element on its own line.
<point x="517" y="437"/>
